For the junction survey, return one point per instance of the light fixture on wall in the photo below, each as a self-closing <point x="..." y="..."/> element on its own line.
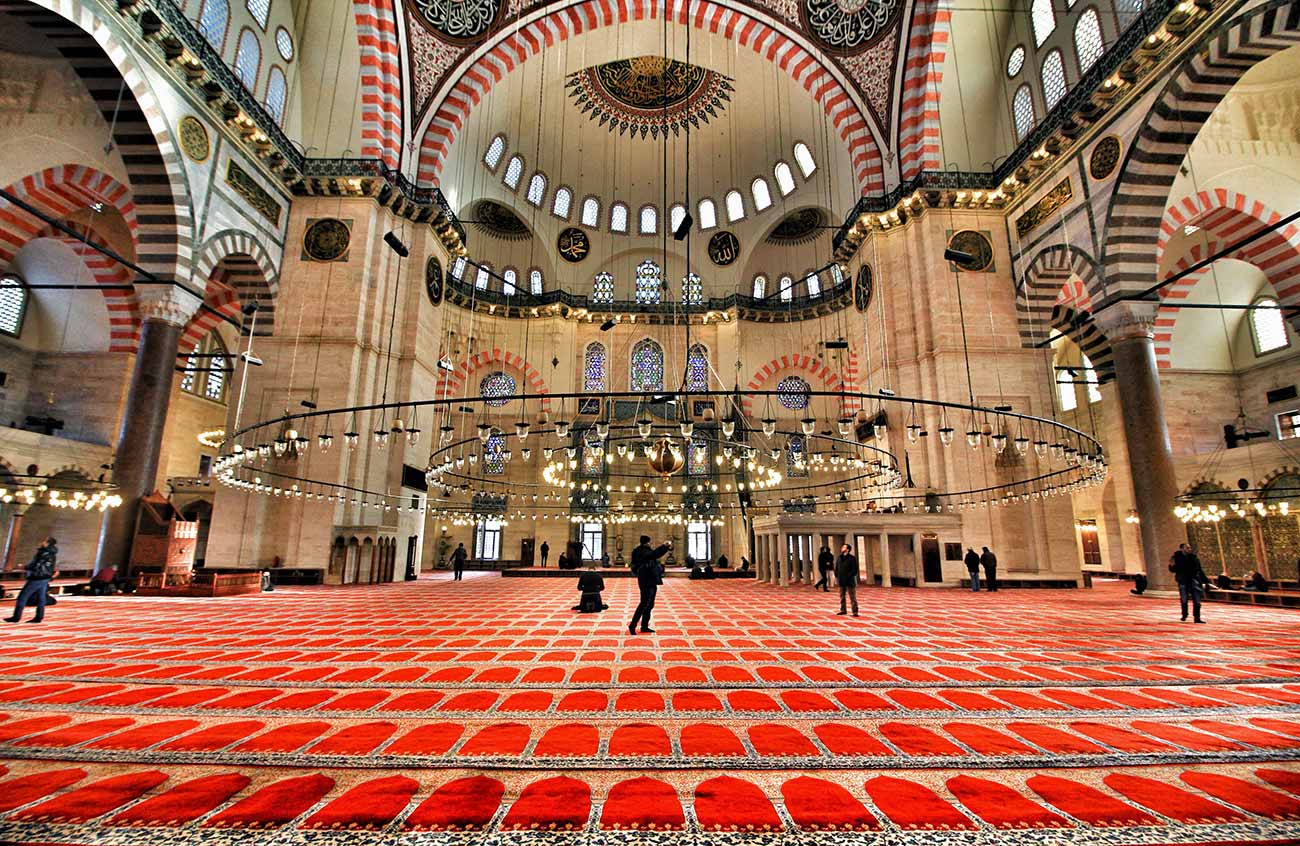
<point x="1132" y="517"/>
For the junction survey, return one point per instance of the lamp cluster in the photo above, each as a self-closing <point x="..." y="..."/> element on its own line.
<point x="43" y="494"/>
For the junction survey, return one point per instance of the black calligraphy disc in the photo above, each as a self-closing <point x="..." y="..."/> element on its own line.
<point x="862" y="292"/>
<point x="573" y="245"/>
<point x="724" y="248"/>
<point x="433" y="279"/>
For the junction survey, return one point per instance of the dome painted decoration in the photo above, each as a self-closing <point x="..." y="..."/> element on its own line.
<point x="456" y="20"/>
<point x="499" y="221"/>
<point x="648" y="95"/>
<point x="975" y="244"/>
<point x="863" y="290"/>
<point x="798" y="227"/>
<point x="848" y="26"/>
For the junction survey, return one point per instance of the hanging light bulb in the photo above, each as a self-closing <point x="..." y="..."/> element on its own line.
<point x="323" y="441"/>
<point x="644" y="426"/>
<point x="526" y="453"/>
<point x="445" y="432"/>
<point x="845" y="425"/>
<point x="621" y="449"/>
<point x="280" y="446"/>
<point x="687" y="427"/>
<point x="728" y="428"/>
<point x="547" y="452"/>
<point x="602" y="429"/>
<point x="1057" y="451"/>
<point x="913" y="432"/>
<point x="808" y="425"/>
<point x="769" y="426"/>
<point x="880" y="430"/>
<point x="562" y="428"/>
<point x="1040" y="448"/>
<point x="1022" y="445"/>
<point x="381" y="439"/>
<point x="999" y="443"/>
<point x="484" y="432"/>
<point x="412" y="437"/>
<point x="946" y="435"/>
<point x="521" y="430"/>
<point x="973" y="437"/>
<point x="351" y="439"/>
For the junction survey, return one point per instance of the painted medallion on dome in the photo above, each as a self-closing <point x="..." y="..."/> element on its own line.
<point x="456" y="20"/>
<point x="848" y="26"/>
<point x="648" y="95"/>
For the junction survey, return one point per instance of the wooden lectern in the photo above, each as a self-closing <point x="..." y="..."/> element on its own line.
<point x="162" y="553"/>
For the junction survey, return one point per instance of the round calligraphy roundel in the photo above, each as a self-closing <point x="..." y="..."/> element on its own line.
<point x="573" y="245"/>
<point x="848" y="26"/>
<point x="862" y="291"/>
<point x="433" y="279"/>
<point x="457" y="20"/>
<point x="724" y="249"/>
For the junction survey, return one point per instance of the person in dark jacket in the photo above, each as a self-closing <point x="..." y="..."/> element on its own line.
<point x="825" y="562"/>
<point x="723" y="563"/>
<point x="39" y="571"/>
<point x="846" y="573"/>
<point x="972" y="562"/>
<point x="458" y="561"/>
<point x="546" y="552"/>
<point x="1186" y="567"/>
<point x="1256" y="582"/>
<point x="591" y="583"/>
<point x="649" y="576"/>
<point x="989" y="562"/>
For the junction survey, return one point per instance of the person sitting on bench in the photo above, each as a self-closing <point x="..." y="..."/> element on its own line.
<point x="1256" y="582"/>
<point x="1223" y="581"/>
<point x="591" y="583"/>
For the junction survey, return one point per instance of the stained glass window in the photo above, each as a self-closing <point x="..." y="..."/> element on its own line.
<point x="735" y="206"/>
<point x="793" y="393"/>
<point x="708" y="214"/>
<point x="514" y="172"/>
<point x="495" y="151"/>
<point x="214" y="20"/>
<point x="648" y="288"/>
<point x="1053" y="79"/>
<point x="814" y="285"/>
<point x="697" y="463"/>
<point x="692" y="289"/>
<point x="563" y="200"/>
<point x="1016" y="61"/>
<point x="647" y="367"/>
<point x="591" y="212"/>
<point x="261" y="10"/>
<point x="536" y="189"/>
<point x="13" y="304"/>
<point x="510" y="279"/>
<point x="784" y="178"/>
<point x="1088" y="45"/>
<point x="1023" y="106"/>
<point x="762" y="196"/>
<point x="697" y="368"/>
<point x="618" y="218"/>
<point x="248" y="59"/>
<point x="760" y="286"/>
<point x="649" y="220"/>
<point x="275" y="94"/>
<point x="495" y="385"/>
<point x="787" y="289"/>
<point x="795" y="457"/>
<point x="494" y="461"/>
<point x="1043" y="18"/>
<point x="284" y="43"/>
<point x="602" y="287"/>
<point x="804" y="158"/>
<point x="535" y="282"/>
<point x="593" y="367"/>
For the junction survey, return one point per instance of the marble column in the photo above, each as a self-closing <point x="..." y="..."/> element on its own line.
<point x="886" y="574"/>
<point x="1146" y="437"/>
<point x="782" y="559"/>
<point x="760" y="558"/>
<point x="139" y="441"/>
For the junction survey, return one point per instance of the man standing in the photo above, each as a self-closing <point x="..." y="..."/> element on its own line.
<point x="39" y="571"/>
<point x="458" y="561"/>
<point x="846" y="573"/>
<point x="649" y="576"/>
<point x="546" y="552"/>
<point x="989" y="562"/>
<point x="973" y="567"/>
<point x="1186" y="567"/>
<point x="825" y="561"/>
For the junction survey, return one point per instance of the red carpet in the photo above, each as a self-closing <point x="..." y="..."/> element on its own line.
<point x="487" y="705"/>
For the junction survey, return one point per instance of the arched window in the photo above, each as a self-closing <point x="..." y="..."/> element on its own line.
<point x="602" y="287"/>
<point x="708" y="214"/>
<point x="837" y="274"/>
<point x="495" y="151"/>
<point x="618" y="217"/>
<point x="495" y="387"/>
<point x="735" y="206"/>
<point x="481" y="278"/>
<point x="205" y="369"/>
<point x="260" y="10"/>
<point x="676" y="215"/>
<point x="649" y="220"/>
<point x="284" y="43"/>
<point x="795" y="457"/>
<point x="1065" y="390"/>
<point x="536" y="189"/>
<point x="1054" y="87"/>
<point x="646" y="368"/>
<point x="692" y="289"/>
<point x="13" y="305"/>
<point x="458" y="269"/>
<point x="593" y="367"/>
<point x="591" y="212"/>
<point x="1023" y="108"/>
<point x="762" y="196"/>
<point x="1267" y="328"/>
<point x="514" y="172"/>
<point x="535" y="282"/>
<point x="275" y="94"/>
<point x="1090" y="376"/>
<point x="1016" y="61"/>
<point x="814" y="284"/>
<point x="792" y="392"/>
<point x="786" y="287"/>
<point x="1043" y="18"/>
<point x="649" y="287"/>
<point x="1088" y="44"/>
<point x="784" y="178"/>
<point x="213" y="21"/>
<point x="509" y="281"/>
<point x="697" y="368"/>
<point x="804" y="158"/>
<point x="760" y="286"/>
<point x="248" y="59"/>
<point x="494" y="459"/>
<point x="563" y="202"/>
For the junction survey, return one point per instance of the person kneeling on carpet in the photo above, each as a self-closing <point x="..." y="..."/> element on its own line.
<point x="591" y="583"/>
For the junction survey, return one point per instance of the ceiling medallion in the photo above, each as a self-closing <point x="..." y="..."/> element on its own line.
<point x="798" y="227"/>
<point x="862" y="292"/>
<point x="647" y="95"/>
<point x="194" y="138"/>
<point x="724" y="249"/>
<point x="1104" y="158"/>
<point x="456" y="20"/>
<point x="499" y="221"/>
<point x="326" y="239"/>
<point x="433" y="279"/>
<point x="848" y="26"/>
<point x="573" y="245"/>
<point x="978" y="246"/>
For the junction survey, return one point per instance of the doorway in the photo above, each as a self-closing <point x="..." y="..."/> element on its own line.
<point x="1091" y="544"/>
<point x="931" y="565"/>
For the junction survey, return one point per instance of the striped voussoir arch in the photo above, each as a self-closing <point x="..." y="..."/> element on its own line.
<point x="123" y="308"/>
<point x="241" y="262"/>
<point x="141" y="134"/>
<point x="802" y="365"/>
<point x="451" y="385"/>
<point x="1137" y="207"/>
<point x="918" y="112"/>
<point x="60" y="192"/>
<point x="222" y="302"/>
<point x="1056" y="296"/>
<point x="381" y="80"/>
<point x="738" y="24"/>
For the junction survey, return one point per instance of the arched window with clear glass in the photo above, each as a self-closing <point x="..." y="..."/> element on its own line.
<point x="261" y="11"/>
<point x="786" y="286"/>
<point x="649" y="220"/>
<point x="602" y="287"/>
<point x="248" y="59"/>
<point x="593" y="367"/>
<point x="563" y="201"/>
<point x="1043" y="18"/>
<point x="458" y="268"/>
<point x="1023" y="111"/>
<point x="514" y="172"/>
<point x="692" y="289"/>
<point x="481" y="277"/>
<point x="804" y="158"/>
<point x="205" y="369"/>
<point x="536" y="189"/>
<point x="649" y="287"/>
<point x="760" y="286"/>
<point x="697" y="368"/>
<point x="735" y="206"/>
<point x="646" y="368"/>
<point x="1054" y="86"/>
<point x="814" y="284"/>
<point x="1267" y="327"/>
<point x="675" y="216"/>
<point x="762" y="196"/>
<point x="13" y="305"/>
<point x="591" y="212"/>
<point x="495" y="151"/>
<point x="509" y="281"/>
<point x="708" y="214"/>
<point x="214" y="20"/>
<point x="535" y="282"/>
<point x="276" y="92"/>
<point x="784" y="178"/>
<point x="1088" y="43"/>
<point x="618" y="217"/>
<point x="1090" y="377"/>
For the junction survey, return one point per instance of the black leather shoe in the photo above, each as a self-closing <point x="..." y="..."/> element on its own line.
<point x="631" y="629"/>
<point x="841" y="612"/>
<point x="647" y="631"/>
<point x="13" y="619"/>
<point x="1198" y="621"/>
<point x="36" y="620"/>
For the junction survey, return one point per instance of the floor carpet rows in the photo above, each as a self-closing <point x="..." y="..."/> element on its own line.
<point x="453" y="712"/>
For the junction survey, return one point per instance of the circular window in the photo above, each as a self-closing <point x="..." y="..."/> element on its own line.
<point x="494" y="386"/>
<point x="1016" y="61"/>
<point x="793" y="393"/>
<point x="284" y="43"/>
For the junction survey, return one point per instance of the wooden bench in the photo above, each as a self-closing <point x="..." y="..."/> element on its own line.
<point x="1273" y="598"/>
<point x="297" y="576"/>
<point x="1013" y="583"/>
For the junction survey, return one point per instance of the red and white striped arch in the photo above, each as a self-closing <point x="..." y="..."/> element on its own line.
<point x="59" y="192"/>
<point x="491" y="64"/>
<point x="806" y="366"/>
<point x="123" y="308"/>
<point x="222" y="302"/>
<point x="381" y="80"/>
<point x="453" y="384"/>
<point x="918" y="113"/>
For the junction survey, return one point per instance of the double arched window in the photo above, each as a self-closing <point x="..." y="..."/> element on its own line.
<point x="13" y="304"/>
<point x="205" y="369"/>
<point x="646" y="368"/>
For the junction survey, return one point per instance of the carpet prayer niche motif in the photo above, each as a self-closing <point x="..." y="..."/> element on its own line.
<point x="485" y="710"/>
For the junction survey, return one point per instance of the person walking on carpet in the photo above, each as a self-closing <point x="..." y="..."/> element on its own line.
<point x="458" y="561"/>
<point x="39" y="571"/>
<point x="989" y="562"/>
<point x="825" y="561"/>
<point x="1186" y="567"/>
<point x="972" y="561"/>
<point x="846" y="573"/>
<point x="649" y="576"/>
<point x="546" y="552"/>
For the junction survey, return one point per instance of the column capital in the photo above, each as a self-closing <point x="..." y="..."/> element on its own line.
<point x="1128" y="321"/>
<point x="168" y="304"/>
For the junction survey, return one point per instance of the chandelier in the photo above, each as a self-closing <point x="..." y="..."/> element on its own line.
<point x="60" y="492"/>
